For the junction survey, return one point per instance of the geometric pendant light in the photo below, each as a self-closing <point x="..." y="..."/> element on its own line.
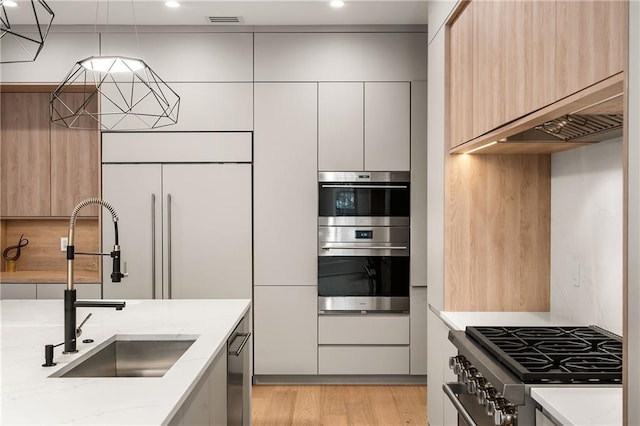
<point x="23" y="45"/>
<point x="119" y="93"/>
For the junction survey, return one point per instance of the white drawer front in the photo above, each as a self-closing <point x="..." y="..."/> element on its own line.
<point x="363" y="360"/>
<point x="363" y="330"/>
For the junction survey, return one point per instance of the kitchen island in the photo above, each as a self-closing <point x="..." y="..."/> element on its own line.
<point x="31" y="396"/>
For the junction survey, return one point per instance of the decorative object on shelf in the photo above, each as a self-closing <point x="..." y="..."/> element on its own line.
<point x="11" y="260"/>
<point x="20" y="45"/>
<point x="119" y="93"/>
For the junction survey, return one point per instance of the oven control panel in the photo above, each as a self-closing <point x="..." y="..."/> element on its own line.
<point x="503" y="412"/>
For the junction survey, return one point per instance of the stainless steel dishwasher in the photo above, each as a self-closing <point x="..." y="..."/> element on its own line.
<point x="237" y="375"/>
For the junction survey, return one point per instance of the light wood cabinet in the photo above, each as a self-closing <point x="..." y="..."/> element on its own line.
<point x="529" y="37"/>
<point x="507" y="60"/>
<point x="487" y="69"/>
<point x="26" y="157"/>
<point x="591" y="40"/>
<point x="46" y="169"/>
<point x="461" y="93"/>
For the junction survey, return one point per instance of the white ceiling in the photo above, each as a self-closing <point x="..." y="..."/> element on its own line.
<point x="196" y="12"/>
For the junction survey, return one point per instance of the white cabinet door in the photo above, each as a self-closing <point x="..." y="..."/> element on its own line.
<point x="418" y="330"/>
<point x="285" y="184"/>
<point x="286" y="330"/>
<point x="207" y="250"/>
<point x="387" y="126"/>
<point x="340" y="126"/>
<point x="135" y="192"/>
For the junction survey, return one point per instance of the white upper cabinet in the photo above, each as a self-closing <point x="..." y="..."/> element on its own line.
<point x="387" y="126"/>
<point x="197" y="57"/>
<point x="60" y="53"/>
<point x="364" y="126"/>
<point x="340" y="56"/>
<point x="203" y="107"/>
<point x="285" y="184"/>
<point x="340" y="126"/>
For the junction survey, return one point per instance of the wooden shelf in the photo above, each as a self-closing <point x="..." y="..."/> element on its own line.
<point x="47" y="277"/>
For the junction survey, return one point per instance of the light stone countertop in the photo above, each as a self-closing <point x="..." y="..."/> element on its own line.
<point x="30" y="396"/>
<point x="584" y="406"/>
<point x="592" y="406"/>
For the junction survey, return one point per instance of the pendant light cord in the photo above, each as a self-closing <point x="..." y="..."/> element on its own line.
<point x="135" y="27"/>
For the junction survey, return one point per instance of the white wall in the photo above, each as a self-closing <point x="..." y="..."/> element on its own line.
<point x="586" y="228"/>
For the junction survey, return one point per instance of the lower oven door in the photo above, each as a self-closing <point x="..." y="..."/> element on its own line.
<point x="363" y="284"/>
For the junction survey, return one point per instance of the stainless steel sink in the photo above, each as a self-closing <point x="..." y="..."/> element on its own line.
<point x="130" y="358"/>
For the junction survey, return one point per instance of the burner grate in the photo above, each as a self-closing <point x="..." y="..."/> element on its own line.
<point x="554" y="354"/>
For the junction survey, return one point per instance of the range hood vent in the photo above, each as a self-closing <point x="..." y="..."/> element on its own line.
<point x="576" y="127"/>
<point x="225" y="19"/>
<point x="573" y="128"/>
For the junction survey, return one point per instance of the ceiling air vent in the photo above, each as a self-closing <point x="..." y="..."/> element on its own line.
<point x="225" y="19"/>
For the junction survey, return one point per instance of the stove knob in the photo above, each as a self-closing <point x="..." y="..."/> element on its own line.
<point x="460" y="366"/>
<point x="455" y="359"/>
<point x="468" y="373"/>
<point x="498" y="407"/>
<point x="487" y="394"/>
<point x="494" y="403"/>
<point x="472" y="385"/>
<point x="509" y="415"/>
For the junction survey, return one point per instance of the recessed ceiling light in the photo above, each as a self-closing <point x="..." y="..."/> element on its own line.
<point x="172" y="3"/>
<point x="336" y="3"/>
<point x="8" y="3"/>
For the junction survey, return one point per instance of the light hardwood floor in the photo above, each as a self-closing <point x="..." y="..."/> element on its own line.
<point x="339" y="405"/>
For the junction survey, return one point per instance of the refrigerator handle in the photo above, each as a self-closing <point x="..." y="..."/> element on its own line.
<point x="169" y="244"/>
<point x="153" y="246"/>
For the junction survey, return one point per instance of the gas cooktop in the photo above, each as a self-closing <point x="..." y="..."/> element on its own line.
<point x="554" y="354"/>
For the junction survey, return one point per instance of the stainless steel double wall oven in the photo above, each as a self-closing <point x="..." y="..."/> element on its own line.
<point x="363" y="242"/>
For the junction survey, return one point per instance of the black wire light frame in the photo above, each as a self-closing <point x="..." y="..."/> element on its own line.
<point x="142" y="100"/>
<point x="21" y="39"/>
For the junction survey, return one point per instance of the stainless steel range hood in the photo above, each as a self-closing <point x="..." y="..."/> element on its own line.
<point x="573" y="128"/>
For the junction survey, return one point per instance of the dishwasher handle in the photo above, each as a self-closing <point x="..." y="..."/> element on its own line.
<point x="242" y="344"/>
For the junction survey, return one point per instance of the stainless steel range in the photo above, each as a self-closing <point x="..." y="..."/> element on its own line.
<point x="497" y="366"/>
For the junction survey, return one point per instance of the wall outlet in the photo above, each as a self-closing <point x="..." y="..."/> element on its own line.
<point x="64" y="241"/>
<point x="577" y="274"/>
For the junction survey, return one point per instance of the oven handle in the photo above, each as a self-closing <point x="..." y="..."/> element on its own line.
<point x="451" y="389"/>
<point x="367" y="186"/>
<point x="364" y="248"/>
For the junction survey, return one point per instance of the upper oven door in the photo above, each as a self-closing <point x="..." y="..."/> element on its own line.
<point x="364" y="198"/>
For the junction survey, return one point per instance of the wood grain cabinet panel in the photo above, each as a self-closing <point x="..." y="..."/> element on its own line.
<point x="461" y="78"/>
<point x="528" y="59"/>
<point x="74" y="164"/>
<point x="25" y="154"/>
<point x="590" y="43"/>
<point x="488" y="72"/>
<point x="497" y="226"/>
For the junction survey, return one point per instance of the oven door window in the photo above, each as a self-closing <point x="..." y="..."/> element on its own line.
<point x="364" y="200"/>
<point x="373" y="276"/>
